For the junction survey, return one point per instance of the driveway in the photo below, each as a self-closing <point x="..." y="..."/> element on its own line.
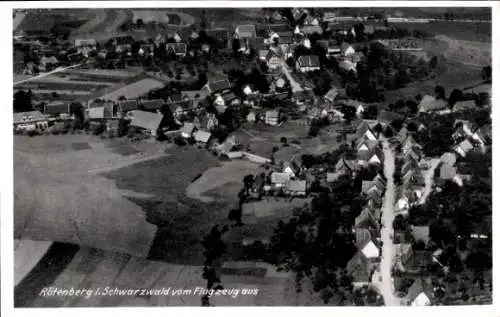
<point x="296" y="87"/>
<point x="386" y="285"/>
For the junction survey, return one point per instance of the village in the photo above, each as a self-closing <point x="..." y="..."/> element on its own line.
<point x="304" y="114"/>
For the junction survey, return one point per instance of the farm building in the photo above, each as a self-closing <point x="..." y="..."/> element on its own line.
<point x="307" y="63"/>
<point x="85" y="42"/>
<point x="296" y="188"/>
<point x="246" y="31"/>
<point x="154" y="104"/>
<point x="56" y="108"/>
<point x="102" y="112"/>
<point x="272" y="117"/>
<point x="202" y="137"/>
<point x="30" y="120"/>
<point x="134" y="90"/>
<point x="217" y="86"/>
<point x="430" y="104"/>
<point x="279" y="179"/>
<point x="150" y="122"/>
<point x="127" y="105"/>
<point x="187" y="130"/>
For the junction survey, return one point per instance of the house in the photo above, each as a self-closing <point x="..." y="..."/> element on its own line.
<point x="29" y="121"/>
<point x="230" y="98"/>
<point x="410" y="144"/>
<point x="279" y="179"/>
<point x="364" y="129"/>
<point x="463" y="148"/>
<point x="273" y="59"/>
<point x="127" y="105"/>
<point x="187" y="130"/>
<point x="449" y="158"/>
<point x="447" y="172"/>
<point x="366" y="220"/>
<point x="150" y="122"/>
<point x="346" y="49"/>
<point x="307" y="63"/>
<point x="154" y="104"/>
<point x="418" y="296"/>
<point x="246" y="31"/>
<point x="48" y="63"/>
<point x="464" y="105"/>
<point x="331" y="95"/>
<point x="296" y="188"/>
<point x="366" y="144"/>
<point x="202" y="137"/>
<point x="217" y="86"/>
<point x="56" y="108"/>
<point x="230" y="144"/>
<point x="251" y="117"/>
<point x="85" y="42"/>
<point x="103" y="112"/>
<point x="431" y="104"/>
<point x="360" y="268"/>
<point x="463" y="129"/>
<point x="483" y="135"/>
<point x="420" y="233"/>
<point x="311" y="29"/>
<point x="344" y="166"/>
<point x="272" y="117"/>
<point x="178" y="49"/>
<point x="373" y="157"/>
<point x="123" y="43"/>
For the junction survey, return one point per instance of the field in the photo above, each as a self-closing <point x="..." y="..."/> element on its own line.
<point x="79" y="84"/>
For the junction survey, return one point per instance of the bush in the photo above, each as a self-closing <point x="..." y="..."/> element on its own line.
<point x="179" y="141"/>
<point x="32" y="133"/>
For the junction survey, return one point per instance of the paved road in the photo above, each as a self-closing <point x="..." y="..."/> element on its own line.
<point x="386" y="286"/>
<point x="429" y="180"/>
<point x="296" y="87"/>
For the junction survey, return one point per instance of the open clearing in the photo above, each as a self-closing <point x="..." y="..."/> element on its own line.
<point x="222" y="182"/>
<point x="134" y="90"/>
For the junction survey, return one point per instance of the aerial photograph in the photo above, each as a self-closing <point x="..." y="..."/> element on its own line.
<point x="295" y="156"/>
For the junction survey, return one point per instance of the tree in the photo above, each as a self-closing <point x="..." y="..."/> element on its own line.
<point x="440" y="92"/>
<point x="22" y="101"/>
<point x="455" y="96"/>
<point x="248" y="181"/>
<point x="486" y="73"/>
<point x="349" y="112"/>
<point x="283" y="140"/>
<point x="371" y="113"/>
<point x="400" y="223"/>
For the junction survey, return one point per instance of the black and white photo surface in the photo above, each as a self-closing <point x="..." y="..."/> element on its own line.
<point x="252" y="156"/>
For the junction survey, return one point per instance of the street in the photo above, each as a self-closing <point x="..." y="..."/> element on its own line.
<point x="386" y="286"/>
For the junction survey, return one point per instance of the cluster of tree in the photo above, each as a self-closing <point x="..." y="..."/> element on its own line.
<point x="254" y="77"/>
<point x="457" y="95"/>
<point x="23" y="101"/>
<point x="329" y="158"/>
<point x="316" y="243"/>
<point x="382" y="69"/>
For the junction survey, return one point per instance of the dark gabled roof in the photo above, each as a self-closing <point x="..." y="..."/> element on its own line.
<point x="127" y="105"/>
<point x="308" y="61"/>
<point x="56" y="108"/>
<point x="154" y="104"/>
<point x="358" y="268"/>
<point x="219" y="85"/>
<point x="230" y="96"/>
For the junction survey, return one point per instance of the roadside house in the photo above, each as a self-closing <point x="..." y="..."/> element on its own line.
<point x="150" y="122"/>
<point x="56" y="108"/>
<point x="103" y="112"/>
<point x="307" y="63"/>
<point x="202" y="137"/>
<point x="29" y="121"/>
<point x="360" y="269"/>
<point x="296" y="188"/>
<point x="431" y="104"/>
<point x="272" y="117"/>
<point x="463" y="148"/>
